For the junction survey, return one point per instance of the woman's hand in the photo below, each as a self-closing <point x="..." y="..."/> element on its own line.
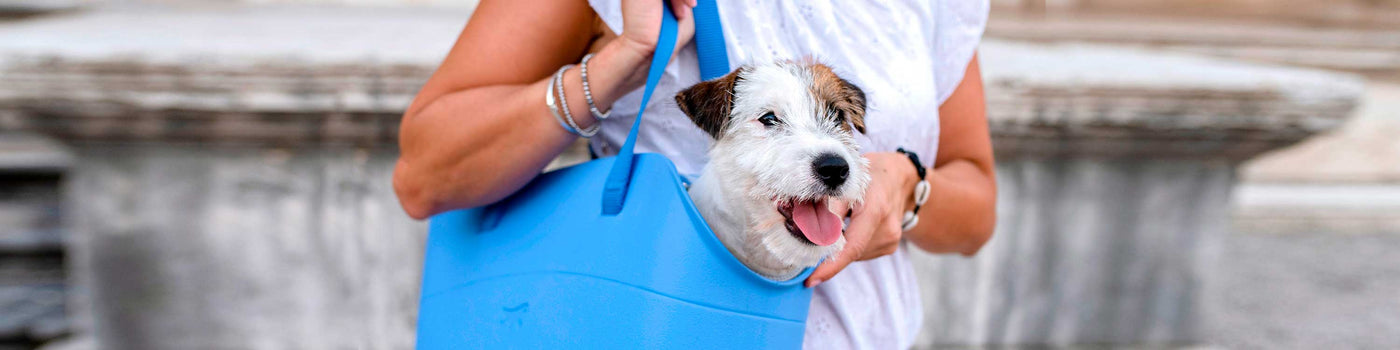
<point x="484" y="106"/>
<point x="625" y="57"/>
<point x="960" y="213"/>
<point x="877" y="223"/>
<point x="641" y="24"/>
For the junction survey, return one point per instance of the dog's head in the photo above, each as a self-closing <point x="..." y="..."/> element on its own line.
<point x="785" y="140"/>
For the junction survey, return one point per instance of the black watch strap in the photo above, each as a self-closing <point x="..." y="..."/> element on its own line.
<point x="918" y="167"/>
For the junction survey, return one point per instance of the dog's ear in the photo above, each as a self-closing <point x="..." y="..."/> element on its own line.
<point x="843" y="98"/>
<point x="708" y="103"/>
<point x="851" y="104"/>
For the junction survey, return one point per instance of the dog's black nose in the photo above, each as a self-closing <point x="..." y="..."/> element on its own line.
<point x="831" y="169"/>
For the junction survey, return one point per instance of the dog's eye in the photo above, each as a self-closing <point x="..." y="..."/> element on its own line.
<point x="768" y="119"/>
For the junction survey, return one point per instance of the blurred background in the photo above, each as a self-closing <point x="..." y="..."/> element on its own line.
<point x="192" y="174"/>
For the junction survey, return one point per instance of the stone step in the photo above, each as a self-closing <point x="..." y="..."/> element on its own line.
<point x="1336" y="208"/>
<point x="30" y="214"/>
<point x="33" y="276"/>
<point x="1366" y="50"/>
<point x="32" y="314"/>
<point x="1309" y="13"/>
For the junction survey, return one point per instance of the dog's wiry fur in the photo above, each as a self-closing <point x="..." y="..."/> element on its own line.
<point x="754" y="167"/>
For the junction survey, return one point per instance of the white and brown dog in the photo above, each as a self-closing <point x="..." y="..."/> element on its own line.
<point x="784" y="156"/>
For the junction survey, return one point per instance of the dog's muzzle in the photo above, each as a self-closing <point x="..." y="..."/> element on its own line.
<point x="831" y="169"/>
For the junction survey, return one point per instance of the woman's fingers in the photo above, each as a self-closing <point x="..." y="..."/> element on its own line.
<point x="886" y="238"/>
<point x="682" y="8"/>
<point x="685" y="22"/>
<point x="864" y="221"/>
<point x="876" y="224"/>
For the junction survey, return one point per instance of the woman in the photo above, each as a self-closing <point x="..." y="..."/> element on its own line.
<point x="484" y="108"/>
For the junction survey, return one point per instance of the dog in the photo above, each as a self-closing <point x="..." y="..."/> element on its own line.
<point x="783" y="162"/>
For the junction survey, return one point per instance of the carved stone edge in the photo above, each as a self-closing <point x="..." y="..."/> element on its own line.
<point x="1050" y="121"/>
<point x="275" y="102"/>
<point x="1047" y="101"/>
<point x="292" y="103"/>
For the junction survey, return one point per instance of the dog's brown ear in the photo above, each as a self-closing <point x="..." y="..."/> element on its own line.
<point x="852" y="104"/>
<point x="708" y="103"/>
<point x="845" y="101"/>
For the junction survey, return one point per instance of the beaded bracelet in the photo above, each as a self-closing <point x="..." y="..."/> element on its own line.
<point x="553" y="108"/>
<point x="569" y="115"/>
<point x="921" y="190"/>
<point x="587" y="93"/>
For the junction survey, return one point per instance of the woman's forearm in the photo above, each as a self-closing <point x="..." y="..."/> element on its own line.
<point x="960" y="213"/>
<point x="475" y="146"/>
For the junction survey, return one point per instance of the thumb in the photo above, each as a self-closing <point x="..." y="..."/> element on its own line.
<point x="832" y="265"/>
<point x="857" y="234"/>
<point x="685" y="21"/>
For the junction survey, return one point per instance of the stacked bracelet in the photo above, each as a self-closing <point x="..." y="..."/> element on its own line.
<point x="587" y="93"/>
<point x="921" y="190"/>
<point x="567" y="121"/>
<point x="554" y="109"/>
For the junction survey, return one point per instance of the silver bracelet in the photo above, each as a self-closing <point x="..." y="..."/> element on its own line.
<point x="569" y="115"/>
<point x="553" y="108"/>
<point x="588" y="94"/>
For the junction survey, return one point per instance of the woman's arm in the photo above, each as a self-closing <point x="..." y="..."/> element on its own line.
<point x="479" y="128"/>
<point x="961" y="210"/>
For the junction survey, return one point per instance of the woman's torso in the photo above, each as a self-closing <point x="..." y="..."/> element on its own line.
<point x="902" y="53"/>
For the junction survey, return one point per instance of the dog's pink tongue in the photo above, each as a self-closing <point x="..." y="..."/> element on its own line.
<point x="818" y="223"/>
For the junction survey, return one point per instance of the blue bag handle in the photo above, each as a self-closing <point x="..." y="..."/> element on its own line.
<point x="709" y="40"/>
<point x="714" y="62"/>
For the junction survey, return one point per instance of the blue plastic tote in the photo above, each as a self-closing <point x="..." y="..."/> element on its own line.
<point x="606" y="254"/>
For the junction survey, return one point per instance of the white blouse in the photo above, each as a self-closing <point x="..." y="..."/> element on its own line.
<point x="907" y="55"/>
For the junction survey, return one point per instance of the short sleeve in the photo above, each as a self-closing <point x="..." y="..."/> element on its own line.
<point x="958" y="30"/>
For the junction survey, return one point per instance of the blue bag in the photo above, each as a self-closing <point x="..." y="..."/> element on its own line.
<point x="606" y="254"/>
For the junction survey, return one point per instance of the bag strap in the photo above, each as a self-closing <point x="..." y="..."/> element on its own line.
<point x="714" y="62"/>
<point x="709" y="40"/>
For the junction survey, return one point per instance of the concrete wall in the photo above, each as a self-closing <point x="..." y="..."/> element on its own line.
<point x="237" y="247"/>
<point x="253" y="247"/>
<point x="1086" y="252"/>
